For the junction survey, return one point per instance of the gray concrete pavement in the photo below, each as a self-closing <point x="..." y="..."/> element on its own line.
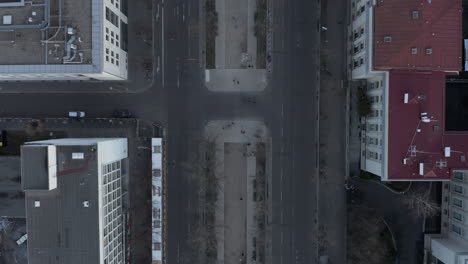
<point x="333" y="133"/>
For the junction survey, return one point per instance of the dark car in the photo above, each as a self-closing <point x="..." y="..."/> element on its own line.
<point x="2" y="138"/>
<point x="122" y="113"/>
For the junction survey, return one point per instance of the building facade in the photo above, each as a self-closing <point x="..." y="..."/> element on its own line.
<point x="451" y="246"/>
<point x="74" y="210"/>
<point x="70" y="40"/>
<point x="157" y="201"/>
<point x="393" y="42"/>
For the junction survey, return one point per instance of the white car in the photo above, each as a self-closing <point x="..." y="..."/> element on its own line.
<point x="22" y="239"/>
<point x="76" y="114"/>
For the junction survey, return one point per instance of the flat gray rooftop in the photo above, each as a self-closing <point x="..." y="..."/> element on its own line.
<point x="62" y="230"/>
<point x="35" y="173"/>
<point x="38" y="32"/>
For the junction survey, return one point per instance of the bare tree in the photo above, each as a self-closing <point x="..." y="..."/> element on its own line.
<point x="420" y="203"/>
<point x="5" y="223"/>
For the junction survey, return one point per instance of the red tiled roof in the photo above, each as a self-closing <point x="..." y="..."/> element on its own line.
<point x="405" y="119"/>
<point x="439" y="27"/>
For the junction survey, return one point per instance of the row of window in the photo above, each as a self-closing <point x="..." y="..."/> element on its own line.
<point x="359" y="12"/>
<point x="358" y="47"/>
<point x="374" y="85"/>
<point x="111" y="167"/>
<point x="458" y="189"/>
<point x="374" y="127"/>
<point x="373" y="155"/>
<point x="112" y="37"/>
<point x="358" y="62"/>
<point x="457" y="229"/>
<point x="114" y="57"/>
<point x="156" y="190"/>
<point x="375" y="98"/>
<point x="375" y="113"/>
<point x="414" y="51"/>
<point x="358" y="32"/>
<point x="115" y="3"/>
<point x="112" y="17"/>
<point x="157" y="246"/>
<point x="374" y="141"/>
<point x="458" y="175"/>
<point x="157" y="213"/>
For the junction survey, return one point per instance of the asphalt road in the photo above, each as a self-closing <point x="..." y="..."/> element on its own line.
<point x="179" y="100"/>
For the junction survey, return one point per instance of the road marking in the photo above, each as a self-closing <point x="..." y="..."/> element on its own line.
<point x="157" y="14"/>
<point x="183" y="12"/>
<point x="162" y="46"/>
<point x="178" y="72"/>
<point x="159" y="64"/>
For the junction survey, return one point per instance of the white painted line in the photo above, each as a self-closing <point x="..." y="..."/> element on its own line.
<point x="157" y="14"/>
<point x="162" y="41"/>
<point x="159" y="64"/>
<point x="183" y="12"/>
<point x="207" y="76"/>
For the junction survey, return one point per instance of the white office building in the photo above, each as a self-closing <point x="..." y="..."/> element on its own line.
<point x="451" y="246"/>
<point x="63" y="40"/>
<point x="73" y="195"/>
<point x="395" y="48"/>
<point x="157" y="201"/>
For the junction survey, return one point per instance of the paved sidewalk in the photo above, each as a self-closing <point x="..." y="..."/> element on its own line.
<point x="222" y="80"/>
<point x="236" y="50"/>
<point x="333" y="87"/>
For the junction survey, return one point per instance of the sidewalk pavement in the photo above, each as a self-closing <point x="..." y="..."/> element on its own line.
<point x="222" y="80"/>
<point x="333" y="133"/>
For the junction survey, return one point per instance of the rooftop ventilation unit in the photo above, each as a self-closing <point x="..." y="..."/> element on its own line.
<point x="406" y="98"/>
<point x="387" y="39"/>
<point x="37" y="203"/>
<point x="413" y="150"/>
<point x="447" y="152"/>
<point x="86" y="204"/>
<point x="77" y="155"/>
<point x="421" y="169"/>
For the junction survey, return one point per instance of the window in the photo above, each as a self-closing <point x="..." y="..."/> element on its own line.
<point x="456" y="229"/>
<point x="457" y="188"/>
<point x="157" y="246"/>
<point x="457" y="202"/>
<point x="457" y="216"/>
<point x="362" y="30"/>
<point x="157" y="224"/>
<point x="414" y="51"/>
<point x="428" y="51"/>
<point x="387" y="39"/>
<point x="112" y="17"/>
<point x="415" y="14"/>
<point x="458" y="175"/>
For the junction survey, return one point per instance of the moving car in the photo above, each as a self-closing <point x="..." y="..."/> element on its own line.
<point x="76" y="114"/>
<point x="122" y="113"/>
<point x="2" y="138"/>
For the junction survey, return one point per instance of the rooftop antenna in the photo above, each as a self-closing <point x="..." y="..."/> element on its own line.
<point x="413" y="150"/>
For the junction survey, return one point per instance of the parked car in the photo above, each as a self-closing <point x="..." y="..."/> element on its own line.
<point x="22" y="239"/>
<point x="122" y="113"/>
<point x="76" y="114"/>
<point x="2" y="138"/>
